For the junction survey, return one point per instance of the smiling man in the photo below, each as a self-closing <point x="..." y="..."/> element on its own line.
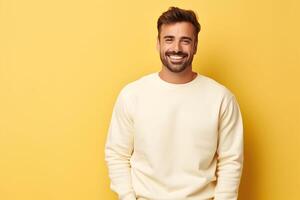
<point x="175" y="134"/>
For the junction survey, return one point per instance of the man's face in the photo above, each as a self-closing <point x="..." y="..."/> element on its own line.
<point x="177" y="45"/>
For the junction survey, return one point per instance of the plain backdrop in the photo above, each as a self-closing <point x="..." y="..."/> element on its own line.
<point x="63" y="63"/>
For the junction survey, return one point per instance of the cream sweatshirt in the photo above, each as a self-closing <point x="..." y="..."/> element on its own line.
<point x="171" y="141"/>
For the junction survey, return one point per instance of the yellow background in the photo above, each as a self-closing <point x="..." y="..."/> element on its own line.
<point x="63" y="62"/>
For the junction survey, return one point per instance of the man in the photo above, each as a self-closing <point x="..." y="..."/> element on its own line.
<point x="175" y="134"/>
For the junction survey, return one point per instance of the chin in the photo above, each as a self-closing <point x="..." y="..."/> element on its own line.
<point x="176" y="69"/>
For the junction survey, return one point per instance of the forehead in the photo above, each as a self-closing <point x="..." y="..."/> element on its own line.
<point x="178" y="29"/>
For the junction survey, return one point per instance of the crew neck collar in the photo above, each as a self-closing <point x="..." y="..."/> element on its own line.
<point x="176" y="85"/>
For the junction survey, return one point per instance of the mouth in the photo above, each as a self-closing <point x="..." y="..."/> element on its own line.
<point x="176" y="58"/>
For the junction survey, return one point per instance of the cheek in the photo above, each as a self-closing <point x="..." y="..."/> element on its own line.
<point x="164" y="50"/>
<point x="166" y="47"/>
<point x="189" y="50"/>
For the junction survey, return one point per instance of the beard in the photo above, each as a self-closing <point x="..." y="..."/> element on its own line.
<point x="179" y="66"/>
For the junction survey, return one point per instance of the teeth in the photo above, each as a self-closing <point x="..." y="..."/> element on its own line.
<point x="176" y="57"/>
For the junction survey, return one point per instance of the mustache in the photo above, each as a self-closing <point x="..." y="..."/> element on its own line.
<point x="174" y="53"/>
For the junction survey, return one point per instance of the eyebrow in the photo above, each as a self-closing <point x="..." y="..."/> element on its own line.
<point x="168" y="36"/>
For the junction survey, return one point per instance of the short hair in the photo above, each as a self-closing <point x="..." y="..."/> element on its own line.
<point x="175" y="14"/>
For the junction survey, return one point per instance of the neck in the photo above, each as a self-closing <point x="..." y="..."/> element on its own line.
<point x="185" y="76"/>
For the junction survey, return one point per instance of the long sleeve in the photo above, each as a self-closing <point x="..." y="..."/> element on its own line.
<point x="119" y="147"/>
<point x="230" y="151"/>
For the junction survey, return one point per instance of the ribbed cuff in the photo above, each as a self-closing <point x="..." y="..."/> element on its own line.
<point x="128" y="196"/>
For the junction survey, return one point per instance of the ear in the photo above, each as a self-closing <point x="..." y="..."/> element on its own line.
<point x="195" y="47"/>
<point x="157" y="44"/>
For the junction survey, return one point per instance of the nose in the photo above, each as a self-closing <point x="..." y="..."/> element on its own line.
<point x="177" y="46"/>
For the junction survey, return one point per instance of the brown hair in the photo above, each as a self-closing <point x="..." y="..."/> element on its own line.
<point x="175" y="14"/>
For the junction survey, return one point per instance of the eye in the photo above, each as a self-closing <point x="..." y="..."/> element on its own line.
<point x="168" y="40"/>
<point x="186" y="41"/>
